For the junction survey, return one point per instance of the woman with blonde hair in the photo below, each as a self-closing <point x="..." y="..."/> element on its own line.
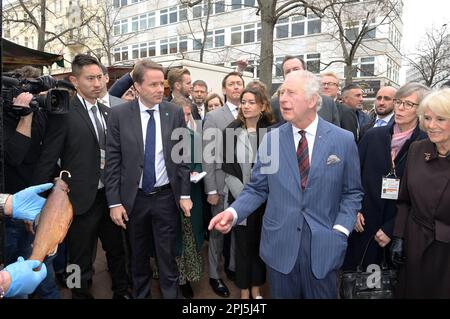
<point x="421" y="246"/>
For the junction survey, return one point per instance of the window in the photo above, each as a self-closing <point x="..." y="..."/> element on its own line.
<point x="278" y="69"/>
<point x="258" y="32"/>
<point x="173" y="15"/>
<point x="121" y="54"/>
<point x="173" y="45"/>
<point x="163" y="17"/>
<point x="116" y="3"/>
<point x="236" y="35"/>
<point x="151" y="20"/>
<point x="134" y="24"/>
<point x="282" y="28"/>
<point x="197" y="11"/>
<point x="123" y="3"/>
<point x="236" y="4"/>
<point x="163" y="47"/>
<point x="354" y="28"/>
<point x="143" y="50"/>
<point x="142" y="22"/>
<point x="26" y="43"/>
<point x="197" y="44"/>
<point x="219" y="38"/>
<point x="120" y="27"/>
<point x="182" y="44"/>
<point x="313" y="62"/>
<point x="298" y="26"/>
<point x="183" y="13"/>
<point x="249" y="3"/>
<point x="219" y="7"/>
<point x="314" y="24"/>
<point x="249" y="33"/>
<point x="363" y="67"/>
<point x="58" y="6"/>
<point x="367" y="66"/>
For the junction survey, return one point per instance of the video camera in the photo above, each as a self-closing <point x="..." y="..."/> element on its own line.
<point x="55" y="101"/>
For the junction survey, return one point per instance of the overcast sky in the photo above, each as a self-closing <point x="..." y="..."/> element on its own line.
<point x="418" y="16"/>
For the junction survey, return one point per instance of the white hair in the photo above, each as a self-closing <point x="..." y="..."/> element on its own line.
<point x="311" y="85"/>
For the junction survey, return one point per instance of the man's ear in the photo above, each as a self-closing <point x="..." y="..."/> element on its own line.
<point x="74" y="80"/>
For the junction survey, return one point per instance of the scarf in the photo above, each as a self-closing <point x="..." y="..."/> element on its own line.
<point x="398" y="140"/>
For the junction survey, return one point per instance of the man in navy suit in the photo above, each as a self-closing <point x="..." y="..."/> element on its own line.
<point x="308" y="172"/>
<point x="145" y="185"/>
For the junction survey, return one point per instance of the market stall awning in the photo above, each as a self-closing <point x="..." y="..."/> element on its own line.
<point x="15" y="56"/>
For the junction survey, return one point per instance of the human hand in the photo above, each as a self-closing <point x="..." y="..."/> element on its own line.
<point x="186" y="206"/>
<point x="23" y="99"/>
<point x="24" y="279"/>
<point x="223" y="222"/>
<point x="213" y="199"/>
<point x="381" y="238"/>
<point x="119" y="216"/>
<point x="241" y="63"/>
<point x="26" y="204"/>
<point x="360" y="223"/>
<point x="397" y="252"/>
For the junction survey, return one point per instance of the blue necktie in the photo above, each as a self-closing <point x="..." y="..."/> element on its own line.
<point x="149" y="178"/>
<point x="379" y="123"/>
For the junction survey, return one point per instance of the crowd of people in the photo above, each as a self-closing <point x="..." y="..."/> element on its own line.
<point x="299" y="186"/>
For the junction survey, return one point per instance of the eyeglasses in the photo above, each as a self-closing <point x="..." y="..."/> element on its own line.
<point x="408" y="105"/>
<point x="329" y="84"/>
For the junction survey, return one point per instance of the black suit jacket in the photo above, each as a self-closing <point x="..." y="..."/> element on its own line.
<point x="348" y="118"/>
<point x="125" y="153"/>
<point x="328" y="110"/>
<point x="71" y="137"/>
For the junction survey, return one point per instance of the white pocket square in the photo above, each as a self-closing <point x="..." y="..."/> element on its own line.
<point x="333" y="159"/>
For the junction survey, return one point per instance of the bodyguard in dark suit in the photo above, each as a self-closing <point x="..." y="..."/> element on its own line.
<point x="328" y="110"/>
<point x="145" y="186"/>
<point x="78" y="140"/>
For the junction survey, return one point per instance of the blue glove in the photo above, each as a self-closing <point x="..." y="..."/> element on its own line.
<point x="24" y="279"/>
<point x="26" y="204"/>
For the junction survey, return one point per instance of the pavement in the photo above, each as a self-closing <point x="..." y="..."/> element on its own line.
<point x="101" y="282"/>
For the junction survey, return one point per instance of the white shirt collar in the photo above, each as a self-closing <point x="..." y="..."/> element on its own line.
<point x="310" y="130"/>
<point x="386" y="119"/>
<point x="231" y="106"/>
<point x="88" y="105"/>
<point x="143" y="108"/>
<point x="104" y="99"/>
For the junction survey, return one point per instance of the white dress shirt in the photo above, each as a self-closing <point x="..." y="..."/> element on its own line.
<point x="233" y="109"/>
<point x="385" y="120"/>
<point x="160" y="165"/>
<point x="88" y="106"/>
<point x="105" y="100"/>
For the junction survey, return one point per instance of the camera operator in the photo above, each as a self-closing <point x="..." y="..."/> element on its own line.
<point x="23" y="139"/>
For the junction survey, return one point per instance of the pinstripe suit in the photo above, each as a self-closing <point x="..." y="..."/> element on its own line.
<point x="298" y="243"/>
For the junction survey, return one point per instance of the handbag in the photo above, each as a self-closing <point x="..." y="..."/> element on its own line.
<point x="362" y="284"/>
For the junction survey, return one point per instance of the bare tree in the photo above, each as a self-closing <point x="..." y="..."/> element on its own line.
<point x="102" y="31"/>
<point x="206" y="8"/>
<point x="352" y="23"/>
<point x="37" y="13"/>
<point x="271" y="12"/>
<point x="432" y="59"/>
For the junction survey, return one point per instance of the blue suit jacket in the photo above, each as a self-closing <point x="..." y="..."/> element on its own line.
<point x="332" y="197"/>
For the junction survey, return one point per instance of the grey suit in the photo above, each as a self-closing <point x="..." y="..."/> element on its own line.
<point x="114" y="101"/>
<point x="215" y="122"/>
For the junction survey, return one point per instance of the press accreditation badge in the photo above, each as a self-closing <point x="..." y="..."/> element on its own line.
<point x="102" y="159"/>
<point x="390" y="188"/>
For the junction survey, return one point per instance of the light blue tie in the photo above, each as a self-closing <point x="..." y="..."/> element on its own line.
<point x="380" y="123"/>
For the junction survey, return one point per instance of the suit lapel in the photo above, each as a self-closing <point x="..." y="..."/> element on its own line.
<point x="320" y="149"/>
<point x="165" y="118"/>
<point x="289" y="150"/>
<point x="227" y="113"/>
<point x="81" y="110"/>
<point x="136" y="125"/>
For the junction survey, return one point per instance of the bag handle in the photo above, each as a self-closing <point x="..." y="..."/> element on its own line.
<point x="383" y="265"/>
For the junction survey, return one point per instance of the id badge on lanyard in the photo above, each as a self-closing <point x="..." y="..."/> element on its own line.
<point x="390" y="185"/>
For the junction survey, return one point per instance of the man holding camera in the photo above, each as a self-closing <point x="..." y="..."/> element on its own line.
<point x="24" y="133"/>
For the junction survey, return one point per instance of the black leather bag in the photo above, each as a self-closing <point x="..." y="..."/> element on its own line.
<point x="361" y="284"/>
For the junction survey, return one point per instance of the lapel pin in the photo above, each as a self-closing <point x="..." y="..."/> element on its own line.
<point x="427" y="156"/>
<point x="167" y="114"/>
